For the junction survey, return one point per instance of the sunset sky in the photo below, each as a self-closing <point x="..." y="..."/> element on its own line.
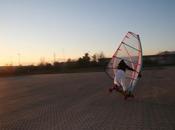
<point x="36" y="29"/>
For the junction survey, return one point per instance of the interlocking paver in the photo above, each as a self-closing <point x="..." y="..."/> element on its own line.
<point x="82" y="102"/>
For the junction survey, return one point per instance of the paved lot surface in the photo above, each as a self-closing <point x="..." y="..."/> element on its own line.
<point x="82" y="102"/>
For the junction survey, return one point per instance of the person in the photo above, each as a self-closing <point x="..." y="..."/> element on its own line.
<point x="119" y="79"/>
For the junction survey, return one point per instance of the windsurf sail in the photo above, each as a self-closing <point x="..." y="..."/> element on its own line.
<point x="129" y="50"/>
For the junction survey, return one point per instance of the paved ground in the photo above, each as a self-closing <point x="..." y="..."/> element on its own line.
<point x="81" y="102"/>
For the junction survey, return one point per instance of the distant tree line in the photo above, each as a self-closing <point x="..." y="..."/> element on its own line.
<point x="86" y="63"/>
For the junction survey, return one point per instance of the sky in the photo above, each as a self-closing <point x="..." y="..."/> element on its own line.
<point x="31" y="30"/>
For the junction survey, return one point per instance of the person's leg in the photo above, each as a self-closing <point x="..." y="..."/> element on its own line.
<point x="122" y="81"/>
<point x="132" y="84"/>
<point x="118" y="85"/>
<point x="131" y="88"/>
<point x="116" y="82"/>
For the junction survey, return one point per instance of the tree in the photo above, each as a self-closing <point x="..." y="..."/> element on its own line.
<point x="85" y="60"/>
<point x="94" y="58"/>
<point x="101" y="55"/>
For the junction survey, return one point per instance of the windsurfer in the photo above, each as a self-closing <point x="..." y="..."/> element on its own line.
<point x="119" y="79"/>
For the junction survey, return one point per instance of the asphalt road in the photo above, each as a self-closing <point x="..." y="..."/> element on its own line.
<point x="81" y="101"/>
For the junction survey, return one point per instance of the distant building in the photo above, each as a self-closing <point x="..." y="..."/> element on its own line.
<point x="163" y="58"/>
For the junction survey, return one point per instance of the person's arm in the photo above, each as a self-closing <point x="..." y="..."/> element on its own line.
<point x="129" y="68"/>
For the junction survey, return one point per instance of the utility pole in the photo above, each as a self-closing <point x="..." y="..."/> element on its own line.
<point x="63" y="55"/>
<point x="19" y="56"/>
<point x="54" y="57"/>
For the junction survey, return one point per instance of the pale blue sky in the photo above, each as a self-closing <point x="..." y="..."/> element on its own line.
<point x="69" y="28"/>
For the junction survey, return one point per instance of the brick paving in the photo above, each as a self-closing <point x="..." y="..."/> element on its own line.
<point x="82" y="102"/>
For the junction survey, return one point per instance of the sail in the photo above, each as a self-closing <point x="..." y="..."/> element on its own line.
<point x="129" y="50"/>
